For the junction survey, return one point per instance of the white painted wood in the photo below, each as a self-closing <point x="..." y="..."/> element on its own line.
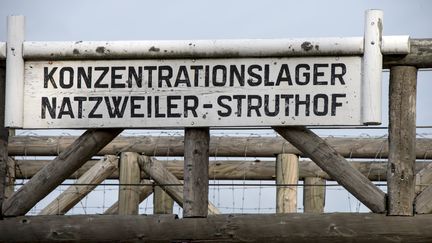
<point x="342" y="107"/>
<point x="14" y="72"/>
<point x="372" y="67"/>
<point x="208" y="48"/>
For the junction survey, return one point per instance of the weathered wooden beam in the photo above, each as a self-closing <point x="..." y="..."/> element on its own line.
<point x="73" y="194"/>
<point x="423" y="201"/>
<point x="335" y="165"/>
<point x="219" y="146"/>
<point x="336" y="227"/>
<point x="420" y="55"/>
<point x="162" y="176"/>
<point x="162" y="202"/>
<point x="4" y="137"/>
<point x="235" y="169"/>
<point x="402" y="138"/>
<point x="196" y="167"/>
<point x="314" y="195"/>
<point x="144" y="192"/>
<point x="58" y="170"/>
<point x="129" y="174"/>
<point x="10" y="177"/>
<point x="423" y="178"/>
<point x="286" y="173"/>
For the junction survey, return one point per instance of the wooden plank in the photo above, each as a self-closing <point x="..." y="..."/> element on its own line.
<point x="286" y="173"/>
<point x="219" y="146"/>
<point x="162" y="202"/>
<point x="402" y="138"/>
<point x="144" y="192"/>
<point x="335" y="165"/>
<point x="129" y="174"/>
<point x="335" y="227"/>
<point x="162" y="176"/>
<point x="314" y="195"/>
<point x="423" y="178"/>
<point x="58" y="170"/>
<point x="249" y="169"/>
<point x="423" y="201"/>
<point x="3" y="138"/>
<point x="196" y="161"/>
<point x="420" y="55"/>
<point x="73" y="194"/>
<point x="10" y="177"/>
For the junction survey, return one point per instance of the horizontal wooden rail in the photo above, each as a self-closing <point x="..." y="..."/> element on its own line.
<point x="232" y="169"/>
<point x="337" y="227"/>
<point x="219" y="146"/>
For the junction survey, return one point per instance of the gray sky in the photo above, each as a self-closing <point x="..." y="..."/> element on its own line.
<point x="222" y="19"/>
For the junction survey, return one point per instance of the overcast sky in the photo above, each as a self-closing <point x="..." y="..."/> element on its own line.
<point x="200" y="19"/>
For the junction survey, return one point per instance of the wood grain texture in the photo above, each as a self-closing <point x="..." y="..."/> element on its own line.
<point x="219" y="146"/>
<point x="335" y="165"/>
<point x="161" y="175"/>
<point x="196" y="167"/>
<point x="402" y="138"/>
<point x="4" y="134"/>
<point x="423" y="177"/>
<point x="129" y="174"/>
<point x="314" y="195"/>
<point x="58" y="170"/>
<point x="286" y="173"/>
<point x="335" y="227"/>
<point x="73" y="194"/>
<point x="162" y="202"/>
<point x="420" y="55"/>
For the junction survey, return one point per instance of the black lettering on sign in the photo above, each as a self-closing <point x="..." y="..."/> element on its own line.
<point x="92" y="113"/>
<point x="190" y="107"/>
<point x="256" y="79"/>
<point x="66" y="108"/>
<point x="80" y="100"/>
<point x="239" y="99"/>
<point x="115" y="111"/>
<point x="158" y="114"/>
<point x="182" y="77"/>
<point x="48" y="76"/>
<point x="239" y="75"/>
<point x="101" y="77"/>
<point x="336" y="104"/>
<point x="50" y="106"/>
<point x="134" y="106"/>
<point x="150" y="75"/>
<point x="220" y="102"/>
<point x="284" y="75"/>
<point x="196" y="70"/>
<point x="323" y="104"/>
<point x="217" y="80"/>
<point x="287" y="100"/>
<point x="83" y="75"/>
<point x="165" y="74"/>
<point x="254" y="106"/>
<point x="299" y="102"/>
<point x="171" y="105"/>
<point x="267" y="81"/>
<point x="305" y="74"/>
<point x="339" y="75"/>
<point x="134" y="75"/>
<point x="317" y="74"/>
<point x="69" y="77"/>
<point x="115" y="76"/>
<point x="149" y="106"/>
<point x="267" y="111"/>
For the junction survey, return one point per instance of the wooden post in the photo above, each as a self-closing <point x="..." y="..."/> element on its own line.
<point x="314" y="195"/>
<point x="129" y="174"/>
<point x="3" y="138"/>
<point x="144" y="192"/>
<point x="402" y="140"/>
<point x="162" y="202"/>
<point x="336" y="166"/>
<point x="286" y="173"/>
<point x="71" y="196"/>
<point x="10" y="177"/>
<point x="162" y="176"/>
<point x="423" y="178"/>
<point x="196" y="161"/>
<point x="54" y="173"/>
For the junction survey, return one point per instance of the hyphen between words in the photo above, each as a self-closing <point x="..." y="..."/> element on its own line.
<point x="170" y="91"/>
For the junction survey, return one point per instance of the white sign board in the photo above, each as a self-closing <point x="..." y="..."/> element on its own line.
<point x="188" y="92"/>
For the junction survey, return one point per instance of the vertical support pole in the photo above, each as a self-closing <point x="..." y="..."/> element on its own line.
<point x="10" y="176"/>
<point x="314" y="195"/>
<point x="286" y="173"/>
<point x="15" y="72"/>
<point x="372" y="67"/>
<point x="402" y="140"/>
<point x="162" y="202"/>
<point x="129" y="174"/>
<point x="196" y="162"/>
<point x="3" y="137"/>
